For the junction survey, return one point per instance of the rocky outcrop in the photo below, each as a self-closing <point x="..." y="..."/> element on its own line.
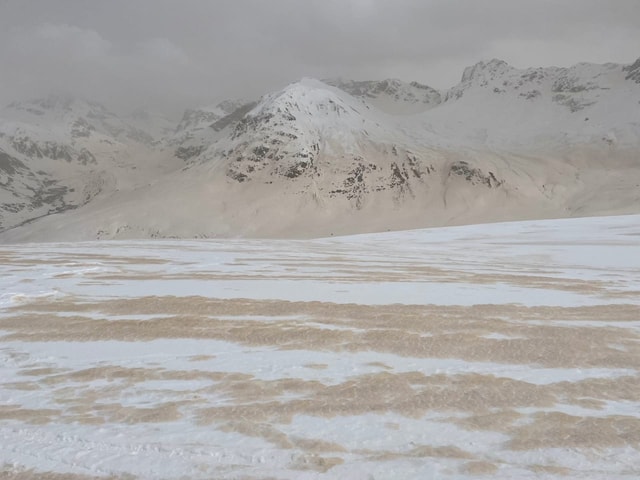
<point x="633" y="71"/>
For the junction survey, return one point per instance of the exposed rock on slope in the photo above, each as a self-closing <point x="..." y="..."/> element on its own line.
<point x="58" y="153"/>
<point x="314" y="137"/>
<point x="196" y="130"/>
<point x="633" y="71"/>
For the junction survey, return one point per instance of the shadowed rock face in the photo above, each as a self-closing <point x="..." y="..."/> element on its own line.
<point x="203" y="117"/>
<point x="633" y="71"/>
<point x="29" y="191"/>
<point x="233" y="117"/>
<point x="475" y="176"/>
<point x="10" y="166"/>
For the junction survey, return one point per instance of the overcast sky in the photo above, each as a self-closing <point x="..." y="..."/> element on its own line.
<point x="168" y="55"/>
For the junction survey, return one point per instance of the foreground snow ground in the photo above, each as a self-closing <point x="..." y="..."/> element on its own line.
<point x="492" y="351"/>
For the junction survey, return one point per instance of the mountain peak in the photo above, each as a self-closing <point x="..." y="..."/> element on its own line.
<point x="491" y="68"/>
<point x="305" y="91"/>
<point x="302" y="94"/>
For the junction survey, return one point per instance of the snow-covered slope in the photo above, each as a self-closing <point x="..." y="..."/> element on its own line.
<point x="74" y="119"/>
<point x="316" y="159"/>
<point x="504" y="107"/>
<point x="308" y="160"/>
<point x="60" y="152"/>
<point x="392" y="95"/>
<point x="505" y="351"/>
<point x="299" y="131"/>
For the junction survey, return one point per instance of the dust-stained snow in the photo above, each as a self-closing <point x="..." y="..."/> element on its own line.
<point x="494" y="351"/>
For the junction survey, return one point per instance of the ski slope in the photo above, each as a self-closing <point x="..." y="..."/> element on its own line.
<point x="492" y="351"/>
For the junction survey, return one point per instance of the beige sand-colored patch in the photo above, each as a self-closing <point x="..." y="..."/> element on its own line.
<point x="23" y="386"/>
<point x="11" y="473"/>
<point x="421" y="451"/>
<point x="258" y="429"/>
<point x="479" y="468"/>
<point x="317" y="446"/>
<point x="409" y="394"/>
<point x="379" y="365"/>
<point x="317" y="366"/>
<point x="550" y="470"/>
<point x="315" y="463"/>
<point x="555" y="429"/>
<point x="201" y="358"/>
<point x="441" y="332"/>
<point x="28" y="415"/>
<point x="501" y="421"/>
<point x="36" y="372"/>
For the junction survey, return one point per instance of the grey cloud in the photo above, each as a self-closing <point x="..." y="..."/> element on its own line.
<point x="173" y="54"/>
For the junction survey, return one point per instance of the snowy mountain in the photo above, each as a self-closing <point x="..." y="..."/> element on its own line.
<point x="58" y="153"/>
<point x="506" y="107"/>
<point x="324" y="145"/>
<point x="318" y="158"/>
<point x="290" y="133"/>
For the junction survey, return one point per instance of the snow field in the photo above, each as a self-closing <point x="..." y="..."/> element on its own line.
<point x="494" y="351"/>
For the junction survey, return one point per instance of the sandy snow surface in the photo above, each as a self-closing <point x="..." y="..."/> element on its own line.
<point x="493" y="351"/>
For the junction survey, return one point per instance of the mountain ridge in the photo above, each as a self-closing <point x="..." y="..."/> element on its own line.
<point x="340" y="156"/>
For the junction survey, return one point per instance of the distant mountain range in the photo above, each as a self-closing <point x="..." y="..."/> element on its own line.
<point x="329" y="157"/>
